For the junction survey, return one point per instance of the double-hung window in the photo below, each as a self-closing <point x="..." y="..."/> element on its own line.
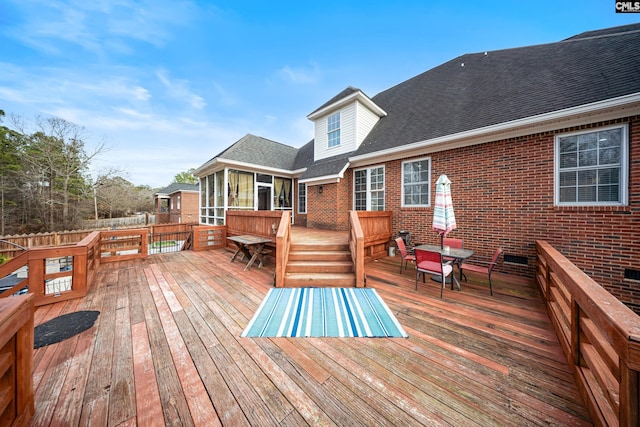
<point x="302" y="198"/>
<point x="591" y="168"/>
<point x="333" y="130"/>
<point x="416" y="176"/>
<point x="369" y="189"/>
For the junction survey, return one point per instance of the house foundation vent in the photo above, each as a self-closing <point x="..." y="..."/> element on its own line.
<point x="632" y="274"/>
<point x="515" y="259"/>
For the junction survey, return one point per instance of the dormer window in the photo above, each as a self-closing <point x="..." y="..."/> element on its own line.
<point x="333" y="130"/>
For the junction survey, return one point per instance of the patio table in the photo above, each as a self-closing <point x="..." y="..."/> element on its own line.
<point x="458" y="254"/>
<point x="251" y="246"/>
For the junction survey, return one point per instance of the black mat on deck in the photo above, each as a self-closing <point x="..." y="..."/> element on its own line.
<point x="62" y="327"/>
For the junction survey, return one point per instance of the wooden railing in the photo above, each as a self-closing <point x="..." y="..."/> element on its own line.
<point x="599" y="335"/>
<point x="356" y="246"/>
<point x="16" y="360"/>
<point x="92" y="243"/>
<point x="51" y="274"/>
<point x="283" y="243"/>
<point x="377" y="230"/>
<point x="257" y="223"/>
<point x="60" y="273"/>
<point x="122" y="245"/>
<point x="209" y="237"/>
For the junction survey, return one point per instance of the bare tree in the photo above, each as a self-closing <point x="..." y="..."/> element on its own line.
<point x="55" y="163"/>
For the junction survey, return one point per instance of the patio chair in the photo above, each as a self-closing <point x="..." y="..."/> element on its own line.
<point x="484" y="265"/>
<point x="453" y="243"/>
<point x="405" y="256"/>
<point x="432" y="263"/>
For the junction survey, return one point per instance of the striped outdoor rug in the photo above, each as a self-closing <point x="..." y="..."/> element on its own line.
<point x="323" y="312"/>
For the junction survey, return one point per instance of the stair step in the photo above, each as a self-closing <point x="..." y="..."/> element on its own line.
<point x="320" y="266"/>
<point x="319" y="255"/>
<point x="319" y="279"/>
<point x="304" y="247"/>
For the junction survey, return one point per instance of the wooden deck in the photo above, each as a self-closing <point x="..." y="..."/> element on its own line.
<point x="166" y="349"/>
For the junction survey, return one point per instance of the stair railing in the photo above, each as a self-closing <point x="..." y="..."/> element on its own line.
<point x="283" y="243"/>
<point x="356" y="246"/>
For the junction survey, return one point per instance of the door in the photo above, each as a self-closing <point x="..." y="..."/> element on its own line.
<point x="264" y="197"/>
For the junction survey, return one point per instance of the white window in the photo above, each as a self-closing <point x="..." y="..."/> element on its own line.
<point x="416" y="183"/>
<point x="591" y="168"/>
<point x="302" y="198"/>
<point x="368" y="189"/>
<point x="333" y="130"/>
<point x="178" y="201"/>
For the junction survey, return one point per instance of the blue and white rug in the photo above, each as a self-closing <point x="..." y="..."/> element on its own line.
<point x="323" y="312"/>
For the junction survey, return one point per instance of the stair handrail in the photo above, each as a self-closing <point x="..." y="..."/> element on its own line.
<point x="283" y="243"/>
<point x="356" y="247"/>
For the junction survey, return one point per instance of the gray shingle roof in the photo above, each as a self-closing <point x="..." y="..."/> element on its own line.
<point x="326" y="167"/>
<point x="478" y="90"/>
<point x="474" y="91"/>
<point x="262" y="152"/>
<point x="177" y="186"/>
<point x="346" y="92"/>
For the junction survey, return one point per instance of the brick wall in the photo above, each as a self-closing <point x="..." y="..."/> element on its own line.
<point x="503" y="196"/>
<point x="189" y="205"/>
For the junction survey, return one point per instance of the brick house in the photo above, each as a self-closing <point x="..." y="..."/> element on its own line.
<point x="540" y="142"/>
<point x="177" y="203"/>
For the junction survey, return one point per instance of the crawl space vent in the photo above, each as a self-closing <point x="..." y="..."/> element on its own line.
<point x="515" y="259"/>
<point x="631" y="274"/>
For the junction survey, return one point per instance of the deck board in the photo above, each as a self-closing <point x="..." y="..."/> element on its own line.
<point x="167" y="348"/>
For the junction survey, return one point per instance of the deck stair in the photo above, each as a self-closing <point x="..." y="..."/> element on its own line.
<point x="313" y="264"/>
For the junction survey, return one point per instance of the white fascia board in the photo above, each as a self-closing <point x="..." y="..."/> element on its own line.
<point x="254" y="168"/>
<point x="347" y="100"/>
<point x="627" y="105"/>
<point x="320" y="180"/>
<point x="204" y="169"/>
<point x="326" y="179"/>
<point x="298" y="172"/>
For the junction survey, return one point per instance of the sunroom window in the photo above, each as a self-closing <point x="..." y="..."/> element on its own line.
<point x="591" y="168"/>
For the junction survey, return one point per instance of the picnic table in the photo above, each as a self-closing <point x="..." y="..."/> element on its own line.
<point x="252" y="247"/>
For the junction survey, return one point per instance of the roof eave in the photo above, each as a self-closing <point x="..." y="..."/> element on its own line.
<point x="326" y="179"/>
<point x="584" y="114"/>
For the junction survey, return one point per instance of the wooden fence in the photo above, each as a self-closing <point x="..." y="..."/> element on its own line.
<point x="600" y="337"/>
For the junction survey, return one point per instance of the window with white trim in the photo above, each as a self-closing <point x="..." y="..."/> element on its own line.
<point x="416" y="183"/>
<point x="591" y="168"/>
<point x="368" y="189"/>
<point x="333" y="130"/>
<point x="302" y="198"/>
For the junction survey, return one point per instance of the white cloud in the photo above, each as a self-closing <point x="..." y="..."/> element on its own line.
<point x="179" y="89"/>
<point x="141" y="93"/>
<point x="99" y="26"/>
<point x="301" y="75"/>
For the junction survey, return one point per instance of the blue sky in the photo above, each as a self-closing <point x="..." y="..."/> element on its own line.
<point x="168" y="84"/>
